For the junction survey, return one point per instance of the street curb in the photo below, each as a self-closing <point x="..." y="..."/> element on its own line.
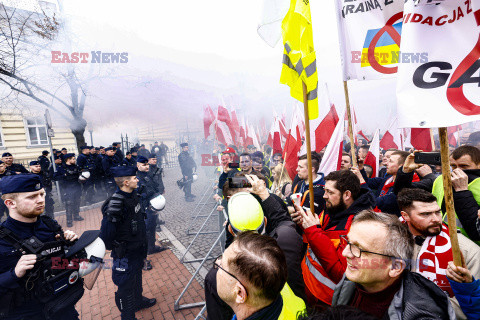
<point x="181" y="250"/>
<point x="82" y="209"/>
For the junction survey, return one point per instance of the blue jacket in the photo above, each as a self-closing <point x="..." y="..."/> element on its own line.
<point x="385" y="202"/>
<point x="468" y="297"/>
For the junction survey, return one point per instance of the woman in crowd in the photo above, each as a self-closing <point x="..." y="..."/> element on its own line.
<point x="282" y="184"/>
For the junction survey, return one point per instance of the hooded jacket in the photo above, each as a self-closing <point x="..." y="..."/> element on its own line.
<point x="418" y="298"/>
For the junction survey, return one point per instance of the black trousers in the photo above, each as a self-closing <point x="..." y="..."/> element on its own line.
<point x="217" y="309"/>
<point x="71" y="198"/>
<point x="151" y="225"/>
<point x="49" y="202"/>
<point x="187" y="187"/>
<point x="88" y="191"/>
<point x="127" y="276"/>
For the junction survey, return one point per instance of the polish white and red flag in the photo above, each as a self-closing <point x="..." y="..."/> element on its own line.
<point x="208" y="119"/>
<point x="393" y="137"/>
<point x="234" y="118"/>
<point x="454" y="135"/>
<point x="293" y="144"/>
<point x="243" y="131"/>
<point x="373" y="154"/>
<point x="418" y="138"/>
<point x="274" y="137"/>
<point x="332" y="158"/>
<point x="223" y="133"/>
<point x="223" y="116"/>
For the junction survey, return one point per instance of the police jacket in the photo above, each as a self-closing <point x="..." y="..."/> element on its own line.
<point x="156" y="173"/>
<point x="98" y="165"/>
<point x="46" y="179"/>
<point x="68" y="175"/>
<point x="44" y="163"/>
<point x="417" y="298"/>
<point x="16" y="299"/>
<point x="107" y="163"/>
<point x="187" y="164"/>
<point x="86" y="162"/>
<point x="16" y="167"/>
<point x="147" y="188"/>
<point x="123" y="225"/>
<point x="129" y="162"/>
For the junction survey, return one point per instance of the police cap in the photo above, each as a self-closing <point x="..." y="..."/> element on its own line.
<point x="142" y="159"/>
<point x="109" y="148"/>
<point x="34" y="163"/>
<point x="183" y="145"/>
<point x="45" y="152"/>
<point x="6" y="154"/>
<point x="24" y="182"/>
<point x="68" y="155"/>
<point x="123" y="171"/>
<point x="152" y="155"/>
<point x="84" y="147"/>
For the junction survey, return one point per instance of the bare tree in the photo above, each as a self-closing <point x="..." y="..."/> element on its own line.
<point x="25" y="36"/>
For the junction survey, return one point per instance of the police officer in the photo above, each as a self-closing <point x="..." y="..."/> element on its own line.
<point x="68" y="174"/>
<point x="118" y="152"/>
<point x="15" y="167"/>
<point x="109" y="161"/>
<point x="123" y="231"/>
<point x="46" y="178"/>
<point x="188" y="166"/>
<point x="86" y="163"/>
<point x="129" y="160"/>
<point x="44" y="161"/>
<point x="156" y="173"/>
<point x="23" y="292"/>
<point x="147" y="190"/>
<point x="4" y="173"/>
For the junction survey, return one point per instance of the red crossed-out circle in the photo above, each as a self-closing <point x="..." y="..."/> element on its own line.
<point x="396" y="38"/>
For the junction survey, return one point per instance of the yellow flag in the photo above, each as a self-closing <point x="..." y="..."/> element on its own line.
<point x="299" y="61"/>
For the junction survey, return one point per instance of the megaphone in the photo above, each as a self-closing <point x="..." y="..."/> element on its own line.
<point x="158" y="203"/>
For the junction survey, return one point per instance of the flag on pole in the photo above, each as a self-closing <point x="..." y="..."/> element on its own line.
<point x="332" y="159"/>
<point x="373" y="154"/>
<point x="293" y="145"/>
<point x="454" y="135"/>
<point x="299" y="60"/>
<point x="393" y="137"/>
<point x="224" y="116"/>
<point x="208" y="119"/>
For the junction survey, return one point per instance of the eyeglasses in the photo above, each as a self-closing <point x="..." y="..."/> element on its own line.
<point x="217" y="266"/>
<point x="356" y="251"/>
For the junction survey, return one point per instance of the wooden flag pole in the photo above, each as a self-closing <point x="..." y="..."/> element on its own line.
<point x="309" y="152"/>
<point x="350" y="127"/>
<point x="432" y="139"/>
<point x="447" y="187"/>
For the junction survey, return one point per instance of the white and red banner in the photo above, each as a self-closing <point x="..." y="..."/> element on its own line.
<point x="369" y="33"/>
<point x="373" y="154"/>
<point x="332" y="159"/>
<point x="393" y="137"/>
<point x="208" y="119"/>
<point x="442" y="88"/>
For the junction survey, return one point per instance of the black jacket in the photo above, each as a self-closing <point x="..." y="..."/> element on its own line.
<point x="187" y="164"/>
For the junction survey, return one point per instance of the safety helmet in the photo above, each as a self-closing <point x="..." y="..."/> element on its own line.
<point x="195" y="177"/>
<point x="158" y="203"/>
<point x="95" y="253"/>
<point x="245" y="213"/>
<point x="84" y="175"/>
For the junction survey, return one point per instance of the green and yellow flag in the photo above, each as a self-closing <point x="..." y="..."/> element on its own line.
<point x="299" y="61"/>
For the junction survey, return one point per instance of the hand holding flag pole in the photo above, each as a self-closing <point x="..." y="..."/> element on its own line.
<point x="447" y="187"/>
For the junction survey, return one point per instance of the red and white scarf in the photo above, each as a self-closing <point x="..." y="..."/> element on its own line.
<point x="433" y="259"/>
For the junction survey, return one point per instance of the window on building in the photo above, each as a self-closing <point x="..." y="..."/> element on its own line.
<point x="36" y="131"/>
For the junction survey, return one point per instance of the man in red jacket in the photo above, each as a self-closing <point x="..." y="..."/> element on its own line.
<point x="323" y="265"/>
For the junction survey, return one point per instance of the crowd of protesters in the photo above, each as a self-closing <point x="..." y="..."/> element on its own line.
<point x="375" y="247"/>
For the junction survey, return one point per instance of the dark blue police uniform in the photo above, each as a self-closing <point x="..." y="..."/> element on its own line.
<point x="68" y="175"/>
<point x="108" y="162"/>
<point x="86" y="163"/>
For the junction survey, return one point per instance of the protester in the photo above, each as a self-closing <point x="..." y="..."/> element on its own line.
<point x="301" y="185"/>
<point x="282" y="184"/>
<point x="346" y="162"/>
<point x="432" y="247"/>
<point x="386" y="156"/>
<point x="377" y="279"/>
<point x="465" y="162"/>
<point x="324" y="265"/>
<point x="251" y="274"/>
<point x="276" y="159"/>
<point x="246" y="163"/>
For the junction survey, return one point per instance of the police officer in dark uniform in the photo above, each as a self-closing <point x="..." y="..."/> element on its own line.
<point x="129" y="160"/>
<point x="86" y="163"/>
<point x="148" y="188"/>
<point x="156" y="173"/>
<point x="44" y="161"/>
<point x="28" y="242"/>
<point x="68" y="174"/>
<point x="188" y="166"/>
<point x="109" y="161"/>
<point x="46" y="178"/>
<point x="118" y="152"/>
<point x="4" y="173"/>
<point x="123" y="231"/>
<point x="15" y="167"/>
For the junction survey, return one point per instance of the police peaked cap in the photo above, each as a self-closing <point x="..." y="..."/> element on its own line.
<point x="84" y="147"/>
<point x="85" y="239"/>
<point x="45" y="152"/>
<point x="123" y="171"/>
<point x="7" y="154"/>
<point x="25" y="182"/>
<point x="109" y="148"/>
<point x="34" y="163"/>
<point x="64" y="149"/>
<point x="142" y="159"/>
<point x="152" y="155"/>
<point x="183" y="145"/>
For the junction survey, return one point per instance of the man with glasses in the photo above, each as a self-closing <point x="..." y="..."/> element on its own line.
<point x="251" y="274"/>
<point x="433" y="250"/>
<point x="378" y="249"/>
